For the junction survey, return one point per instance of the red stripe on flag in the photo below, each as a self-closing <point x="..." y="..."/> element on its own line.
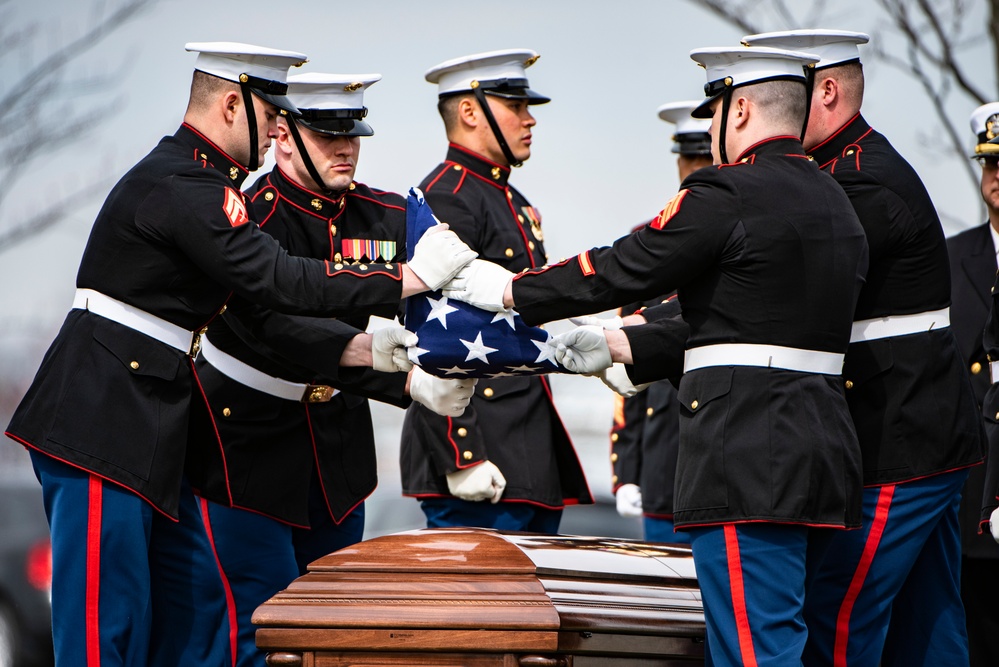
<point x="739" y="597"/>
<point x="870" y="549"/>
<point x="95" y="502"/>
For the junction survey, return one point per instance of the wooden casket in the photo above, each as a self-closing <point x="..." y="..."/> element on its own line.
<point x="465" y="597"/>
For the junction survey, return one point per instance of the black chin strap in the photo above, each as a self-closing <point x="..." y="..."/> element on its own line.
<point x="251" y="121"/>
<point x="306" y="158"/>
<point x="726" y="103"/>
<point x="480" y="95"/>
<point x="809" y="86"/>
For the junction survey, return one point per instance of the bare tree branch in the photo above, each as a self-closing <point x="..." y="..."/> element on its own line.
<point x="49" y="95"/>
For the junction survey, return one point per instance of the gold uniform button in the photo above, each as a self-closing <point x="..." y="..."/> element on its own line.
<point x="997" y="416"/>
<point x="222" y="309"/>
<point x="850" y="152"/>
<point x="332" y="230"/>
<point x="520" y="218"/>
<point x="388" y="266"/>
<point x="343" y="202"/>
<point x="269" y="196"/>
<point x="508" y="252"/>
<point x="614" y="457"/>
<point x="462" y="432"/>
<point x="317" y="204"/>
<point x="531" y="244"/>
<point x="649" y="411"/>
<point x="226" y="412"/>
<point x="693" y="405"/>
<point x="467" y="455"/>
<point x="338" y="266"/>
<point x="509" y="195"/>
<point x="848" y="384"/>
<point x="352" y="186"/>
<point x="134" y="365"/>
<point x="487" y="392"/>
<point x="614" y="479"/>
<point x="614" y="437"/>
<point x="457" y="167"/>
<point x="976" y="368"/>
<point x="363" y="267"/>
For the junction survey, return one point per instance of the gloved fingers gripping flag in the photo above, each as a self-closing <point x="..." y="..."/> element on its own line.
<point x="460" y="340"/>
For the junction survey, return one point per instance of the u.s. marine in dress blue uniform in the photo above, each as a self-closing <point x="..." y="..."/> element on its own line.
<point x="511" y="422"/>
<point x="767" y="257"/>
<point x="903" y="360"/>
<point x="106" y="417"/>
<point x="284" y="438"/>
<point x="295" y="472"/>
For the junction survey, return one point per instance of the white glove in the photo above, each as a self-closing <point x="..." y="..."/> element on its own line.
<point x="439" y="255"/>
<point x="477" y="483"/>
<point x="389" y="349"/>
<point x="994" y="524"/>
<point x="582" y="350"/>
<point x="480" y="284"/>
<point x="447" y="397"/>
<point x="609" y="323"/>
<point x="629" y="500"/>
<point x="616" y="377"/>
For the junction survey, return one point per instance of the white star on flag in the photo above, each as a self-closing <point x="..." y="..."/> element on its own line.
<point x="546" y="352"/>
<point x="439" y="310"/>
<point x="456" y="370"/>
<point x="507" y="316"/>
<point x="478" y="350"/>
<point x="523" y="368"/>
<point x="414" y="354"/>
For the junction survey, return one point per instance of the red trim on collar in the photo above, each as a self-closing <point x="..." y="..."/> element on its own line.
<point x="835" y="134"/>
<point x="477" y="155"/>
<point x="215" y="146"/>
<point x="761" y="142"/>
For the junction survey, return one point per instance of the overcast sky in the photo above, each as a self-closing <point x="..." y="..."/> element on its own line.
<point x="601" y="160"/>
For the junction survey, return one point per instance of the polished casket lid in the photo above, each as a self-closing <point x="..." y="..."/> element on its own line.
<point x="470" y="589"/>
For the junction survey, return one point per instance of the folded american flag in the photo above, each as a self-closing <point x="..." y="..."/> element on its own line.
<point x="460" y="340"/>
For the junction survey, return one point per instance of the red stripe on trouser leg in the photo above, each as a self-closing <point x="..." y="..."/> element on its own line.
<point x="95" y="500"/>
<point x="739" y="597"/>
<point x="857" y="583"/>
<point x="230" y="600"/>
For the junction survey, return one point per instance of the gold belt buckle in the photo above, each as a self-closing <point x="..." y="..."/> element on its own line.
<point x="317" y="393"/>
<point x="196" y="344"/>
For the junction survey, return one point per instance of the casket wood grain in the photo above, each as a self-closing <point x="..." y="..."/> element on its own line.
<point x="465" y="597"/>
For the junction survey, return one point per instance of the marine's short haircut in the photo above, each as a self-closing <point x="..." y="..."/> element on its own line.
<point x="851" y="79"/>
<point x="205" y="88"/>
<point x="781" y="102"/>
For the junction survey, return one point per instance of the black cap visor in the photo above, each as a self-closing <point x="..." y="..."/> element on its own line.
<point x="280" y="101"/>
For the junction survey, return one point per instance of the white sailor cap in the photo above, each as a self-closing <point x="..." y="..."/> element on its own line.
<point x="730" y="67"/>
<point x="500" y="73"/>
<point x="691" y="136"/>
<point x="985" y="125"/>
<point x="332" y="103"/>
<point x="833" y="47"/>
<point x="263" y="70"/>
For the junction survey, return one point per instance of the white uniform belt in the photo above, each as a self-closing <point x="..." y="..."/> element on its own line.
<point x="765" y="356"/>
<point x="899" y="325"/>
<point x="249" y="376"/>
<point x="994" y="371"/>
<point x="135" y="319"/>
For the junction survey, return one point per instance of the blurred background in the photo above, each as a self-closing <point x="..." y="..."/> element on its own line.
<point x="89" y="86"/>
